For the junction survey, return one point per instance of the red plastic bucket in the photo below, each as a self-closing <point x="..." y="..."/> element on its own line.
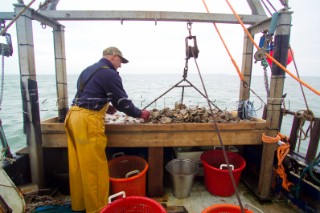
<point x="128" y="173"/>
<point x="133" y="204"/>
<point x="218" y="181"/>
<point x="225" y="208"/>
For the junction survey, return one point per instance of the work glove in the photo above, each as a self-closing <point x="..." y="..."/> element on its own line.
<point x="111" y="110"/>
<point x="145" y="115"/>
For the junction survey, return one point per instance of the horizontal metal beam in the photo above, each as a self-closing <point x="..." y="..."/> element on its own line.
<point x="259" y="27"/>
<point x="7" y="15"/>
<point x="34" y="15"/>
<point x="71" y="15"/>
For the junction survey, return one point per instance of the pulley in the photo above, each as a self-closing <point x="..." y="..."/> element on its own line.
<point x="191" y="51"/>
<point x="6" y="49"/>
<point x="264" y="45"/>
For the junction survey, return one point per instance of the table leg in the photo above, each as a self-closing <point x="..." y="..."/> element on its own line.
<point x="155" y="173"/>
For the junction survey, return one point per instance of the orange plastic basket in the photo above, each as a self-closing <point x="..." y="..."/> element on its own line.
<point x="225" y="208"/>
<point x="123" y="166"/>
<point x="133" y="204"/>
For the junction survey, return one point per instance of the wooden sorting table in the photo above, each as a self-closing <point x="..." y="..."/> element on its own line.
<point x="157" y="136"/>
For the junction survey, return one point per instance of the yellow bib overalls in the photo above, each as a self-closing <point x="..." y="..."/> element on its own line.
<point x="88" y="166"/>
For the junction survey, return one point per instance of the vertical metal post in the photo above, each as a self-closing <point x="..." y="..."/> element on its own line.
<point x="28" y="75"/>
<point x="246" y="68"/>
<point x="61" y="74"/>
<point x="281" y="46"/>
<point x="314" y="140"/>
<point x="293" y="134"/>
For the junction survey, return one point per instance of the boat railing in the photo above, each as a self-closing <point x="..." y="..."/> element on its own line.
<point x="304" y="126"/>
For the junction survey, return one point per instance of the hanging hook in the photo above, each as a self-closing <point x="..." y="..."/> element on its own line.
<point x="189" y="27"/>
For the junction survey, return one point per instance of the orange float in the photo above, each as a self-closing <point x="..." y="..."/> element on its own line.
<point x="290" y="58"/>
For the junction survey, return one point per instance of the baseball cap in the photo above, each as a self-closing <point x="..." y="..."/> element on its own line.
<point x="115" y="51"/>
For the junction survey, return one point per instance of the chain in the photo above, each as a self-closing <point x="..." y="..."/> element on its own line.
<point x="2" y="26"/>
<point x="185" y="70"/>
<point x="2" y="79"/>
<point x="266" y="82"/>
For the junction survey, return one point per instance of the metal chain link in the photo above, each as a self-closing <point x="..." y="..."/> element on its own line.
<point x="2" y="78"/>
<point x="266" y="82"/>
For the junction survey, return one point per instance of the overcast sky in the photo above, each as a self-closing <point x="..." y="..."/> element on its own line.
<point x="160" y="47"/>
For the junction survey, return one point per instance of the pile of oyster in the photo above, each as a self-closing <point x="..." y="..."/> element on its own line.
<point x="183" y="114"/>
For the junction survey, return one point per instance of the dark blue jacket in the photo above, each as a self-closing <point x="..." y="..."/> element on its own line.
<point x="104" y="85"/>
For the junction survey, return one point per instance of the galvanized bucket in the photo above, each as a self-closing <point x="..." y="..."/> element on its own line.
<point x="182" y="173"/>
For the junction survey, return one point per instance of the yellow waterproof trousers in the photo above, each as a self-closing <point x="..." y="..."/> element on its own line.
<point x="88" y="166"/>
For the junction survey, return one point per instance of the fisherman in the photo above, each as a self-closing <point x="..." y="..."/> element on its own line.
<point x="97" y="86"/>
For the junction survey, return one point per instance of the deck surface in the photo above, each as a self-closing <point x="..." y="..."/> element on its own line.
<point x="200" y="199"/>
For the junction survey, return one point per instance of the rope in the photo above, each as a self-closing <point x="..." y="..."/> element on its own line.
<point x="214" y="118"/>
<point x="224" y="44"/>
<point x="215" y="122"/>
<point x="269" y="139"/>
<point x="282" y="152"/>
<point x="271" y="5"/>
<point x="16" y="17"/>
<point x="245" y="84"/>
<point x="305" y="115"/>
<point x="296" y="68"/>
<point x="264" y="4"/>
<point x="269" y="56"/>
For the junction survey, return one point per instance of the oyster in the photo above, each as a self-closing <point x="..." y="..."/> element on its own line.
<point x="183" y="114"/>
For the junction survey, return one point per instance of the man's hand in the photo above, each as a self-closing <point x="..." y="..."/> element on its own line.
<point x="145" y="115"/>
<point x="111" y="110"/>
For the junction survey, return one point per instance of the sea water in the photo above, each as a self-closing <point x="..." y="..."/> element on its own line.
<point x="144" y="89"/>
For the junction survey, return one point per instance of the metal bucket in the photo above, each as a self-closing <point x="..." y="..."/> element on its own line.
<point x="182" y="173"/>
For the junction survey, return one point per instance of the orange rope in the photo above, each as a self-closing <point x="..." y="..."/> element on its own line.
<point x="282" y="152"/>
<point x="269" y="139"/>
<point x="224" y="44"/>
<point x="283" y="137"/>
<point x="269" y="56"/>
